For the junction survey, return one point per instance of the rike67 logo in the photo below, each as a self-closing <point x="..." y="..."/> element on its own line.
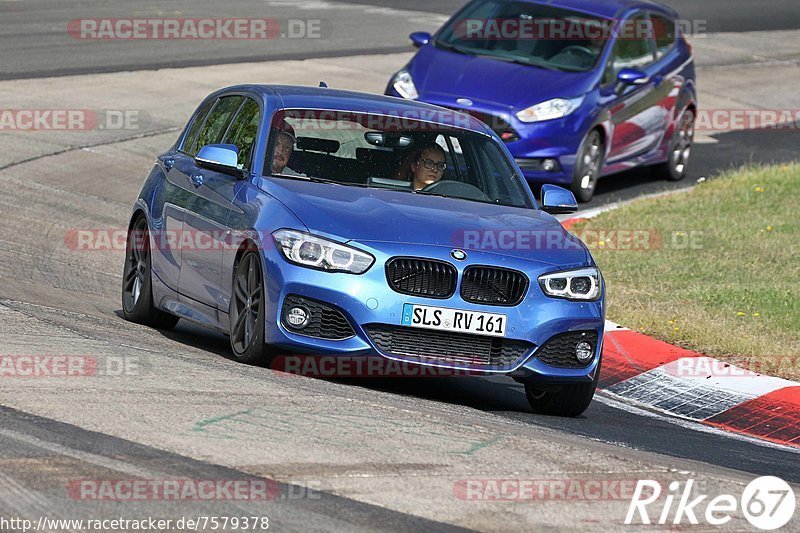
<point x="767" y="502"/>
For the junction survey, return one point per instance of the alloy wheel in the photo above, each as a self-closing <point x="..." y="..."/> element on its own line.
<point x="682" y="149"/>
<point x="136" y="265"/>
<point x="246" y="303"/>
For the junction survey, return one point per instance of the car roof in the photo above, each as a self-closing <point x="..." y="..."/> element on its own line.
<point x="606" y="8"/>
<point x="303" y="97"/>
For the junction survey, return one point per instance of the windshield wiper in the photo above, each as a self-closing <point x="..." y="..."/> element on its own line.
<point x="520" y="61"/>
<point x="438" y="194"/>
<point x="489" y="201"/>
<point x="319" y="180"/>
<point x="455" y="48"/>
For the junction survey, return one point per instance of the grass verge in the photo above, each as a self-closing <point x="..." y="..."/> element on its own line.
<point x="715" y="270"/>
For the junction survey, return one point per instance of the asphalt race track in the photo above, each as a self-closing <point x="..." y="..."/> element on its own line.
<point x="347" y="455"/>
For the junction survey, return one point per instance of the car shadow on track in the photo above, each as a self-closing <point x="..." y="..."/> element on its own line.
<point x="483" y="393"/>
<point x="199" y="337"/>
<point x="196" y="336"/>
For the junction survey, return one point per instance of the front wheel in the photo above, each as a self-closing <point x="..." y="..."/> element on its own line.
<point x="588" y="165"/>
<point x="247" y="312"/>
<point x="137" y="282"/>
<point x="680" y="149"/>
<point x="569" y="401"/>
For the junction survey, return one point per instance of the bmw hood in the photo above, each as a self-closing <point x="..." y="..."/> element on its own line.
<point x="355" y="214"/>
<point x="442" y="77"/>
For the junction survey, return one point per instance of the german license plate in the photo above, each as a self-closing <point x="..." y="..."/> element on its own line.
<point x="445" y="319"/>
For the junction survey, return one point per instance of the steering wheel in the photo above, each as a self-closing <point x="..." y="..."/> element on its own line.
<point x="456" y="189"/>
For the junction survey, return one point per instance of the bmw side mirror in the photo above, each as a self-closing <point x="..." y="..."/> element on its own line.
<point x="222" y="158"/>
<point x="558" y="200"/>
<point x="632" y="76"/>
<point x="420" y="38"/>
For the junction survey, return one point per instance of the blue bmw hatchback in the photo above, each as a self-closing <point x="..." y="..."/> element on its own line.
<point x="324" y="222"/>
<point x="577" y="89"/>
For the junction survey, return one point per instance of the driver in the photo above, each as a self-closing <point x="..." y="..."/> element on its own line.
<point x="426" y="166"/>
<point x="282" y="150"/>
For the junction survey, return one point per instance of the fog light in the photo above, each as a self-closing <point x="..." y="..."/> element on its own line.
<point x="583" y="351"/>
<point x="297" y="317"/>
<point x="549" y="165"/>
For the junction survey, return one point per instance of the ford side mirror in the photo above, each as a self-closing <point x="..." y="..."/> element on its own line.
<point x="222" y="158"/>
<point x="632" y="76"/>
<point x="558" y="200"/>
<point x="420" y="38"/>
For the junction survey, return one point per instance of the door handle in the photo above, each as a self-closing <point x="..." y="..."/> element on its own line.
<point x="196" y="179"/>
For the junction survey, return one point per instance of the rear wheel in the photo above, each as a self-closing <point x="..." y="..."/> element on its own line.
<point x="680" y="149"/>
<point x="137" y="286"/>
<point x="588" y="165"/>
<point x="570" y="400"/>
<point x="247" y="312"/>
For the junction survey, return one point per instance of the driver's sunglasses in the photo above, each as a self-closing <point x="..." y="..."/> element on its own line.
<point x="430" y="164"/>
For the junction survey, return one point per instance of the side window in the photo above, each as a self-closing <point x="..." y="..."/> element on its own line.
<point x="194" y="129"/>
<point x="243" y="132"/>
<point x="632" y="48"/>
<point x="664" y="33"/>
<point x="217" y="122"/>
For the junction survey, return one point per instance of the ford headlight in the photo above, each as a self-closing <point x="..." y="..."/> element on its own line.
<point x="555" y="108"/>
<point x="404" y="85"/>
<point x="581" y="284"/>
<point x="315" y="252"/>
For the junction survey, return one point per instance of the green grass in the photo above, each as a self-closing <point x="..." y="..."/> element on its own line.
<point x="735" y="295"/>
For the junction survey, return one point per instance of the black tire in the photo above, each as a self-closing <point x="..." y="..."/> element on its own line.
<point x="588" y="165"/>
<point x="569" y="401"/>
<point x="247" y="312"/>
<point x="680" y="149"/>
<point x="137" y="286"/>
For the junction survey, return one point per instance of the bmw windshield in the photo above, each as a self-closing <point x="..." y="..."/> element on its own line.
<point x="421" y="155"/>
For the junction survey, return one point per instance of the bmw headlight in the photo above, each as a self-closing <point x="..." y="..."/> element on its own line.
<point x="555" y="108"/>
<point x="581" y="284"/>
<point x="404" y="85"/>
<point x="315" y="252"/>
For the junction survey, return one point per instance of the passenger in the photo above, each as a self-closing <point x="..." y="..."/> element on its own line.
<point x="423" y="166"/>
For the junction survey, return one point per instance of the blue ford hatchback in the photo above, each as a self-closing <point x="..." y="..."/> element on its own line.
<point x="577" y="89"/>
<point x="340" y="224"/>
